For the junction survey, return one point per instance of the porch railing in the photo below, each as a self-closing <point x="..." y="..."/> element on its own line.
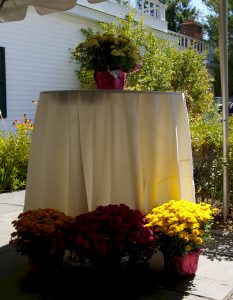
<point x="151" y="8"/>
<point x="184" y="41"/>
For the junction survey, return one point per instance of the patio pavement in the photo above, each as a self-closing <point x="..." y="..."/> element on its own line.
<point x="213" y="280"/>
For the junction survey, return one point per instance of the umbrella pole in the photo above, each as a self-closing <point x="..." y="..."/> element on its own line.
<point x="223" y="44"/>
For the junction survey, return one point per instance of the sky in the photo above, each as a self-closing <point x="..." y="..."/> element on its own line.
<point x="199" y="5"/>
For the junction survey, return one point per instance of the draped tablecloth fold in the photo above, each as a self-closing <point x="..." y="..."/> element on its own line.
<point x="93" y="148"/>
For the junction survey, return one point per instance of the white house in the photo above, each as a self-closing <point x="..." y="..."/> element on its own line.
<point x="35" y="52"/>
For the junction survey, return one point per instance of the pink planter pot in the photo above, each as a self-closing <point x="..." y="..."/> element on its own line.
<point x="105" y="81"/>
<point x="182" y="265"/>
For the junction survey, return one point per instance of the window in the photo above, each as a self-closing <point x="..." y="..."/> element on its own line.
<point x="2" y="82"/>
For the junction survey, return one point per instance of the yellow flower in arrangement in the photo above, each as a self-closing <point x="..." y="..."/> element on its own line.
<point x="188" y="248"/>
<point x="181" y="226"/>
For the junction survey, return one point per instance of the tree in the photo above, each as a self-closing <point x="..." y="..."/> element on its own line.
<point x="212" y="28"/>
<point x="179" y="11"/>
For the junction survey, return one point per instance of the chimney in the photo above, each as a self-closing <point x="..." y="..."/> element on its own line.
<point x="191" y="29"/>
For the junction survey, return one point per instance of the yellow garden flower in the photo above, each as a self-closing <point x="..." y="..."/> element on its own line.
<point x="195" y="232"/>
<point x="181" y="226"/>
<point x="199" y="240"/>
<point x="188" y="248"/>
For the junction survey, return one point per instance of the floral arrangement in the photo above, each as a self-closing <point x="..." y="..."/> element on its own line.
<point x="107" y="52"/>
<point x="41" y="231"/>
<point x="112" y="234"/>
<point x="181" y="226"/>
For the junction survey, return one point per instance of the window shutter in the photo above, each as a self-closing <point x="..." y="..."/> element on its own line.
<point x="2" y="82"/>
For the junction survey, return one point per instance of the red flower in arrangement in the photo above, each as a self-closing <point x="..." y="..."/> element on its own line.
<point x="112" y="234"/>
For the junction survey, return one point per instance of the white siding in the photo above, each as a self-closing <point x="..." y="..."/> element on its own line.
<point x="37" y="58"/>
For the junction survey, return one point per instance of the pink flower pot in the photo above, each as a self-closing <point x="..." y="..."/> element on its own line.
<point x="182" y="265"/>
<point x="106" y="81"/>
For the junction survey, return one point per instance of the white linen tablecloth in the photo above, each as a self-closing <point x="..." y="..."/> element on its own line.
<point x="98" y="147"/>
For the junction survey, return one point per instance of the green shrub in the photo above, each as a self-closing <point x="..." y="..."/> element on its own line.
<point x="207" y="145"/>
<point x="14" y="156"/>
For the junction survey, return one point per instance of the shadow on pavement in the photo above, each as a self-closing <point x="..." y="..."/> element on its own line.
<point x="86" y="283"/>
<point x="220" y="248"/>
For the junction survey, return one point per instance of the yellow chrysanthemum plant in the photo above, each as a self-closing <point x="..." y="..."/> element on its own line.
<point x="181" y="226"/>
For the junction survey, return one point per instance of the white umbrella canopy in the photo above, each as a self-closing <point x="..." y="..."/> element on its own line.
<point x="16" y="10"/>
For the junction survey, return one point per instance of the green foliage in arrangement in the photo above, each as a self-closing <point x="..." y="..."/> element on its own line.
<point x="14" y="156"/>
<point x="107" y="51"/>
<point x="163" y="66"/>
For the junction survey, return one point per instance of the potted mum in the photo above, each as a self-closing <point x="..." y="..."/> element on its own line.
<point x="42" y="235"/>
<point x="112" y="236"/>
<point x="181" y="227"/>
<point x="109" y="56"/>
